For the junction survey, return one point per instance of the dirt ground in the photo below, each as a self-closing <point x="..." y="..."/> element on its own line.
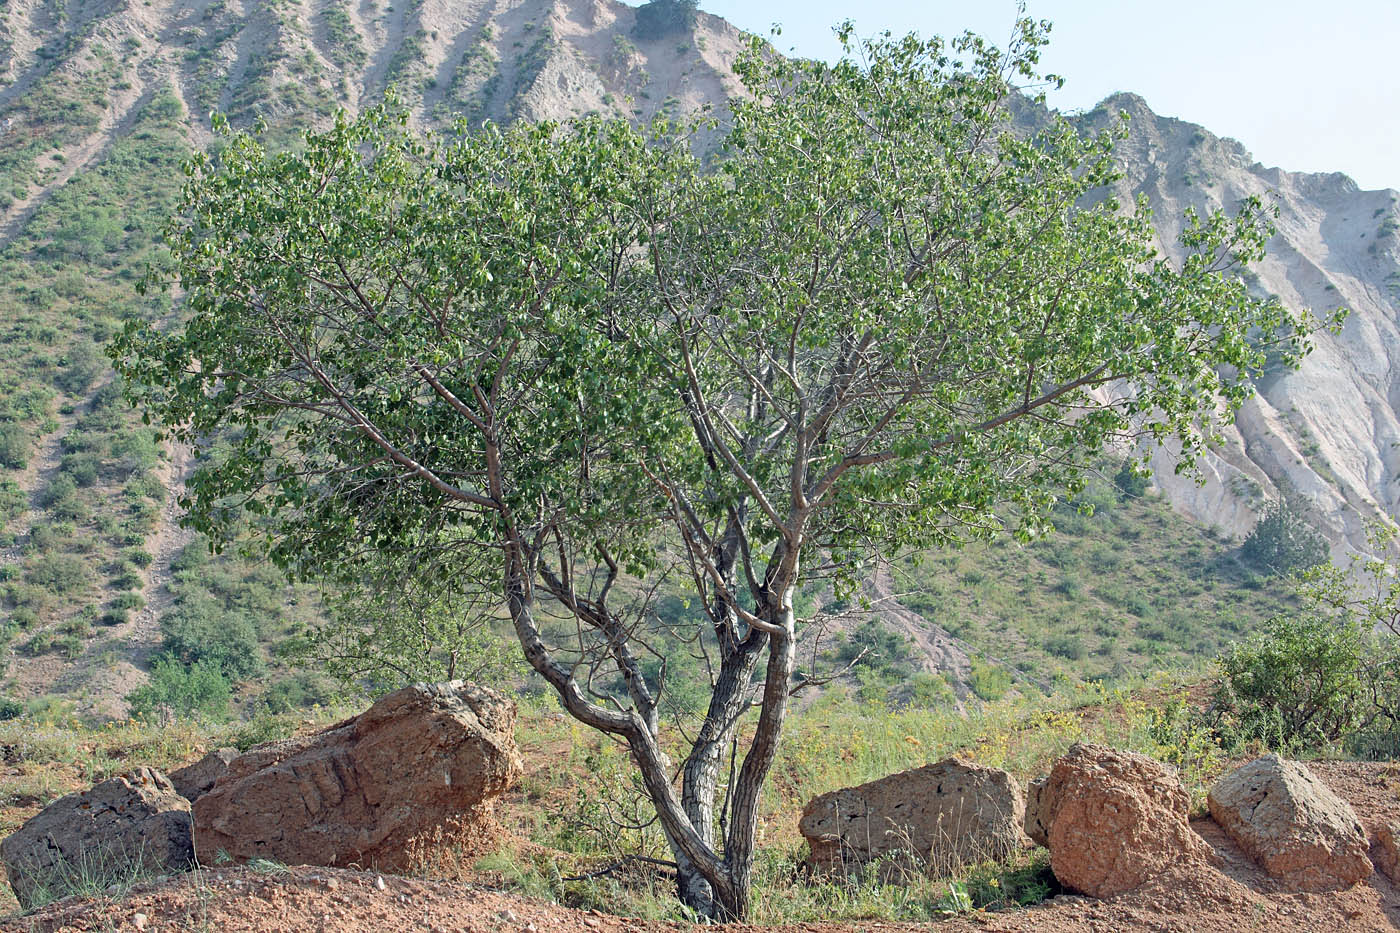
<point x="1236" y="897"/>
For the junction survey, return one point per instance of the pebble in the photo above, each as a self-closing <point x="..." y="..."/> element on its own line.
<point x="379" y="882"/>
<point x="507" y="915"/>
<point x="140" y="921"/>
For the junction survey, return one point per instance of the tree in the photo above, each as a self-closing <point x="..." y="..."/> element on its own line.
<point x="657" y="19"/>
<point x="407" y="623"/>
<point x="1283" y="541"/>
<point x="878" y="323"/>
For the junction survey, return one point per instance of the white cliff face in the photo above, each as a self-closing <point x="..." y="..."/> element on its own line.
<point x="1329" y="431"/>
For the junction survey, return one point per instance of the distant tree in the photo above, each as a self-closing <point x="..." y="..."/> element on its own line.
<point x="877" y="324"/>
<point x="1283" y="541"/>
<point x="408" y="622"/>
<point x="658" y="19"/>
<point x="1130" y="481"/>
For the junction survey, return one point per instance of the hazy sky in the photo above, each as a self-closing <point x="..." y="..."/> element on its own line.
<point x="1307" y="86"/>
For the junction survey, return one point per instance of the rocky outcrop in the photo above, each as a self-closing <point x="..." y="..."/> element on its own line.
<point x="1291" y="824"/>
<point x="133" y="821"/>
<point x="421" y="760"/>
<point x="934" y="818"/>
<point x="1113" y="820"/>
<point x="194" y="781"/>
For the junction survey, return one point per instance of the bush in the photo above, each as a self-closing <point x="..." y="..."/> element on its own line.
<point x="14" y="446"/>
<point x="199" y="629"/>
<point x="81" y="365"/>
<point x="57" y="573"/>
<point x="128" y="601"/>
<point x="661" y="18"/>
<point x="1283" y="542"/>
<point x="1130" y="483"/>
<point x="1065" y="645"/>
<point x="988" y="681"/>
<point x="929" y="691"/>
<point x="186" y="690"/>
<point x="1296" y="683"/>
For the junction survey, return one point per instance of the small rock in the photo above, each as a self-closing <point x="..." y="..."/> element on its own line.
<point x="379" y="882"/>
<point x="508" y="916"/>
<point x="139" y="920"/>
<point x="590" y="923"/>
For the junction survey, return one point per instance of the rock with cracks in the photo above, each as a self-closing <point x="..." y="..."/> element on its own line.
<point x="933" y="818"/>
<point x="1114" y="820"/>
<point x="424" y="760"/>
<point x="1292" y="825"/>
<point x="1385" y="851"/>
<point x="194" y="781"/>
<point x="122" y="827"/>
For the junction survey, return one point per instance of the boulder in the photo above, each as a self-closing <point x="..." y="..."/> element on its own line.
<point x="135" y="822"/>
<point x="1291" y="825"/>
<point x="1037" y="821"/>
<point x="1385" y="852"/>
<point x="1113" y="820"/>
<point x="193" y="781"/>
<point x="426" y="759"/>
<point x="936" y="817"/>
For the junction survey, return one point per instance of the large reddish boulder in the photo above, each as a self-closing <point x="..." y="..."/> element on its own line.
<point x="121" y="827"/>
<point x="1114" y="820"/>
<point x="934" y="818"/>
<point x="1292" y="825"/>
<point x="425" y="759"/>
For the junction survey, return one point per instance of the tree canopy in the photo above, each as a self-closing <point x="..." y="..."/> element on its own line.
<point x="579" y="361"/>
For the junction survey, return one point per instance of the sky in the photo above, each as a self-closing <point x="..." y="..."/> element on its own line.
<point x="1306" y="86"/>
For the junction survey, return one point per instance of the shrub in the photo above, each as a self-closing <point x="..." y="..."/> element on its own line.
<point x="128" y="601"/>
<point x="1131" y="483"/>
<point x="61" y="489"/>
<point x="14" y="446"/>
<point x="1296" y="683"/>
<point x="81" y="468"/>
<point x="660" y="18"/>
<point x="1283" y="541"/>
<point x="988" y="681"/>
<point x="1065" y="645"/>
<point x="186" y="690"/>
<point x="81" y="365"/>
<point x="57" y="573"/>
<point x="929" y="691"/>
<point x="199" y="629"/>
<point x="296" y="692"/>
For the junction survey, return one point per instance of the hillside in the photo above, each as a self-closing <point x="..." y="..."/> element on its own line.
<point x="101" y="99"/>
